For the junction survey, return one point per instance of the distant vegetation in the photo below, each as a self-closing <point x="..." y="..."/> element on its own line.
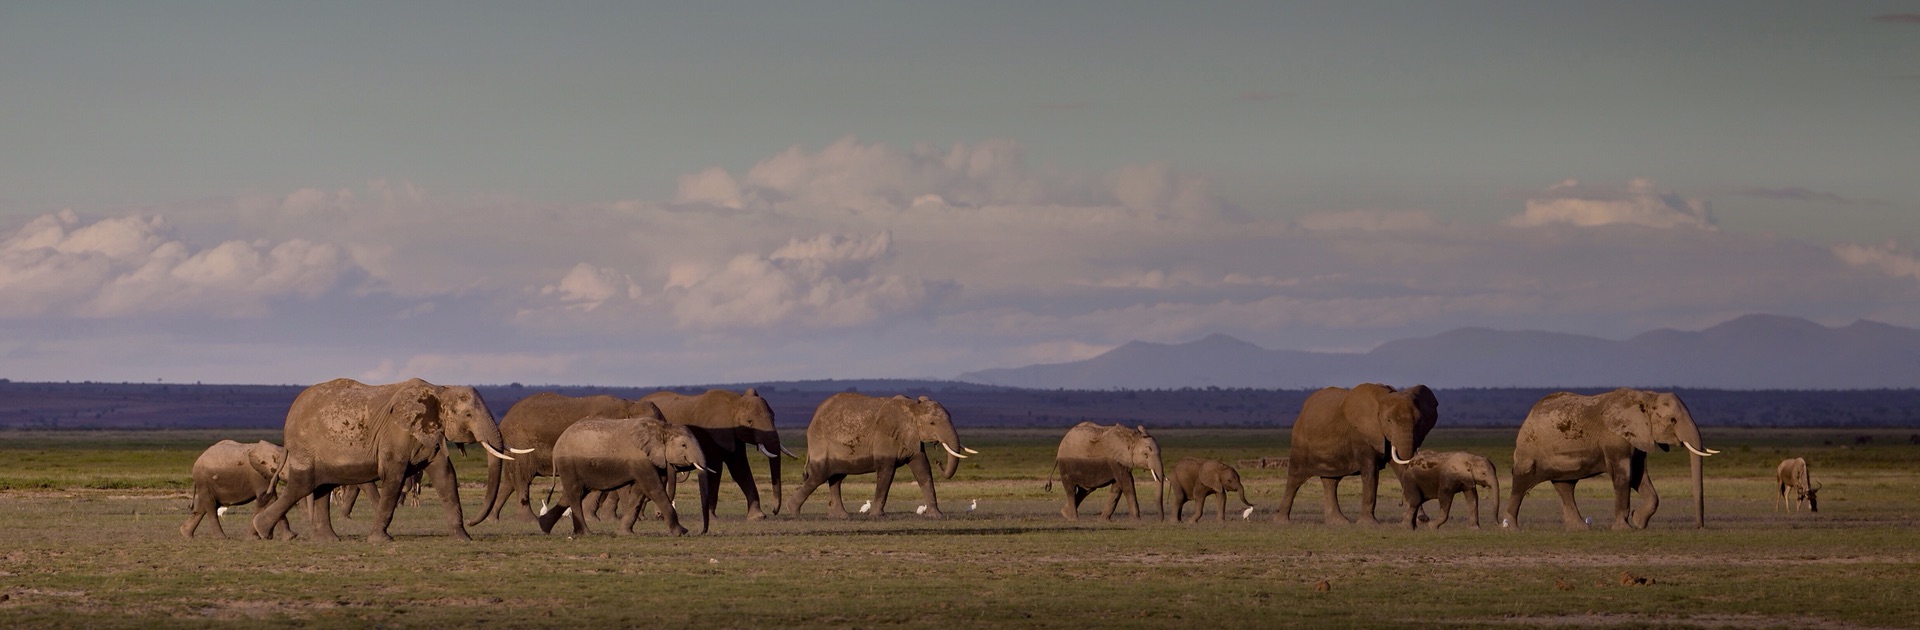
<point x="174" y="406"/>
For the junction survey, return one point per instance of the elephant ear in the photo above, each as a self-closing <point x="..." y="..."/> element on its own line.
<point x="1361" y="410"/>
<point x="418" y="410"/>
<point x="1428" y="406"/>
<point x="1627" y="415"/>
<point x="265" y="458"/>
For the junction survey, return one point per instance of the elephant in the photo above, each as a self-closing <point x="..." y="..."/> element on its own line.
<point x="231" y="473"/>
<point x="1796" y="485"/>
<point x="1092" y="457"/>
<point x="727" y="424"/>
<point x="1568" y="437"/>
<point x="350" y="494"/>
<point x="1344" y="432"/>
<point x="608" y="454"/>
<point x="856" y="434"/>
<point x="536" y="422"/>
<point x="345" y="432"/>
<point x="1203" y="478"/>
<point x="1437" y="476"/>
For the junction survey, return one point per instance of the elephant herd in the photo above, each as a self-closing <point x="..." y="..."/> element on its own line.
<point x="346" y="434"/>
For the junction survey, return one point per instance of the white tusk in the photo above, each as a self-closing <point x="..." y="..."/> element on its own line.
<point x="1695" y="451"/>
<point x="519" y="451"/>
<point x="783" y="449"/>
<point x="970" y="451"/>
<point x="495" y="453"/>
<point x="704" y="469"/>
<point x="1712" y="452"/>
<point x="769" y="454"/>
<point x="952" y="452"/>
<point x="1394" y="451"/>
<point x="1156" y="475"/>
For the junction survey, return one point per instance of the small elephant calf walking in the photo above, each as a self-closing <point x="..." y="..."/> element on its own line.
<point x="1796" y="485"/>
<point x="1439" y="476"/>
<point x="231" y="473"/>
<point x="1200" y="479"/>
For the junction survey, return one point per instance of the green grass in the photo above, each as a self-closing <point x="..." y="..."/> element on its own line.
<point x="74" y="554"/>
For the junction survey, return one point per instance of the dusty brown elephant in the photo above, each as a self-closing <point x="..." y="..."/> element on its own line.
<point x="1796" y="485"/>
<point x="1200" y="479"/>
<point x="230" y="473"/>
<point x="1340" y="433"/>
<point x="729" y="427"/>
<point x="1092" y="456"/>
<point x="1568" y="437"/>
<point x="1437" y="476"/>
<point x="610" y="454"/>
<point x="345" y="432"/>
<point x="536" y="422"/>
<point x="855" y="434"/>
<point x="350" y="495"/>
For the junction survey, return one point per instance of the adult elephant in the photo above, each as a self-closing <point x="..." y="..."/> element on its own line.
<point x="729" y="427"/>
<point x="1568" y="437"/>
<point x="855" y="434"/>
<point x="610" y="454"/>
<point x="536" y="423"/>
<point x="230" y="473"/>
<point x="346" y="432"/>
<point x="1091" y="457"/>
<point x="1344" y="432"/>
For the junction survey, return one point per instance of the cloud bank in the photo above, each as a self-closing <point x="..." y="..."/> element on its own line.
<point x="862" y="259"/>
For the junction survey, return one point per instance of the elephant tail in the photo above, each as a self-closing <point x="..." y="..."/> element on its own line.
<point x="1050" y="473"/>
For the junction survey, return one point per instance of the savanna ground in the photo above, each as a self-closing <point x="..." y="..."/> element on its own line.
<point x="90" y="523"/>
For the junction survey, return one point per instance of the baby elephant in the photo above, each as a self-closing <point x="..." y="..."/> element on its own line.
<point x="1199" y="479"/>
<point x="231" y="473"/>
<point x="603" y="454"/>
<point x="1440" y="475"/>
<point x="1796" y="485"/>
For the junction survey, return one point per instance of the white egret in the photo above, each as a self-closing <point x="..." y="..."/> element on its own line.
<point x="866" y="506"/>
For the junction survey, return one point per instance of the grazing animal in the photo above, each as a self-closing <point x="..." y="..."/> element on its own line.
<point x="1796" y="485"/>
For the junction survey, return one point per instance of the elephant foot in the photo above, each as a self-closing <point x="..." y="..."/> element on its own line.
<point x="1070" y="514"/>
<point x="1622" y="526"/>
<point x="462" y="536"/>
<point x="754" y="514"/>
<point x="379" y="537"/>
<point x="838" y="516"/>
<point x="933" y="512"/>
<point x="676" y="531"/>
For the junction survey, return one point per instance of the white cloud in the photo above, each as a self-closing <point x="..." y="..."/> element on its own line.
<point x="1888" y="258"/>
<point x="1638" y="203"/>
<point x="586" y="287"/>
<point x="822" y="282"/>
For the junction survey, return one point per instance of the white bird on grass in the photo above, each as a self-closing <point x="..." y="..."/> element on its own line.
<point x="222" y="511"/>
<point x="920" y="510"/>
<point x="975" y="505"/>
<point x="864" y="507"/>
<point x="1247" y="513"/>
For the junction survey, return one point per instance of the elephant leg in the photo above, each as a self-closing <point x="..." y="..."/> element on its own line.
<point x="1446" y="512"/>
<point x="882" y="486"/>
<point x="1203" y="506"/>
<point x="522" y="483"/>
<point x="1179" y="499"/>
<point x="1113" y="502"/>
<point x="1649" y="499"/>
<point x="709" y="495"/>
<point x="349" y="495"/>
<point x="1075" y="494"/>
<point x="593" y="504"/>
<point x="1331" y="513"/>
<point x="1510" y="514"/>
<point x="387" y="501"/>
<point x="1473" y="494"/>
<point x="299" y="484"/>
<point x="1284" y="514"/>
<point x="808" y="483"/>
<point x="1415" y="499"/>
<point x="1369" y="494"/>
<point x="1569" y="510"/>
<point x="200" y="510"/>
<point x="551" y="516"/>
<point x="447" y="486"/>
<point x="923" y="473"/>
<point x="654" y="489"/>
<point x="743" y="476"/>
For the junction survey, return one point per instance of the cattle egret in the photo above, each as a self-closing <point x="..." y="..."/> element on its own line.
<point x="1506" y="523"/>
<point x="220" y="512"/>
<point x="1246" y="514"/>
<point x="975" y="505"/>
<point x="920" y="510"/>
<point x="866" y="506"/>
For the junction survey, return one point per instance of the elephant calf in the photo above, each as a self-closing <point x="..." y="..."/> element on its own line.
<point x="1199" y="479"/>
<point x="231" y="473"/>
<point x="1438" y="476"/>
<point x="599" y="454"/>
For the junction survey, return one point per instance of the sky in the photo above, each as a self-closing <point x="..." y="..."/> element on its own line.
<point x="578" y="193"/>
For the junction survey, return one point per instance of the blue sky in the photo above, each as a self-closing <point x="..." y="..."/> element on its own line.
<point x="619" y="194"/>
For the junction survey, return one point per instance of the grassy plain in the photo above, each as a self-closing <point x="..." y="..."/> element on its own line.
<point x="90" y="524"/>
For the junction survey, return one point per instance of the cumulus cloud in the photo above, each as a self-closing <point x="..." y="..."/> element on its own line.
<point x="586" y="287"/>
<point x="822" y="282"/>
<point x="1888" y="258"/>
<point x="131" y="266"/>
<point x="1640" y="202"/>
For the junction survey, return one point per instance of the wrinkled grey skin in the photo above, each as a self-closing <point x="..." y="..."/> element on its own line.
<point x="536" y="422"/>
<point x="345" y="432"/>
<point x="1341" y="433"/>
<point x="855" y="434"/>
<point x="1200" y="479"/>
<point x="1092" y="456"/>
<point x="1796" y="485"/>
<point x="732" y="429"/>
<point x="1437" y="476"/>
<point x="1568" y="437"/>
<point x="609" y="454"/>
<point x="230" y="473"/>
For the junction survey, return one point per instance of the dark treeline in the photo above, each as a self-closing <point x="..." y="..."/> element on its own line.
<point x="169" y="405"/>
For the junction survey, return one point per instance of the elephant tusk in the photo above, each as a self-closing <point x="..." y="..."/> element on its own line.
<point x="519" y="451"/>
<point x="1695" y="451"/>
<point x="769" y="454"/>
<point x="783" y="449"/>
<point x="707" y="470"/>
<point x="1394" y="451"/>
<point x="1155" y="473"/>
<point x="970" y="451"/>
<point x="952" y="452"/>
<point x="1712" y="452"/>
<point x="495" y="453"/>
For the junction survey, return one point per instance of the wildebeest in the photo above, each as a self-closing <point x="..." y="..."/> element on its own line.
<point x="1796" y="485"/>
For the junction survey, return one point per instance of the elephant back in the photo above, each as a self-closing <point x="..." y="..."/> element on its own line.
<point x="713" y="409"/>
<point x="602" y="437"/>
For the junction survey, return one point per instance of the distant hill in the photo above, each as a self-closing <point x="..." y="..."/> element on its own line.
<point x="1750" y="352"/>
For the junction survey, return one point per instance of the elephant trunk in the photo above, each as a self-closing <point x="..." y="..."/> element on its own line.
<point x="1243" y="496"/>
<point x="1690" y="435"/>
<point x="773" y="477"/>
<point x="1493" y="475"/>
<point x="1160" y="479"/>
<point x="949" y="440"/>
<point x="1400" y="446"/>
<point x="494" y="465"/>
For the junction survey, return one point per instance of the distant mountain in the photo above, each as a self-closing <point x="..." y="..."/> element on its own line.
<point x="1750" y="352"/>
